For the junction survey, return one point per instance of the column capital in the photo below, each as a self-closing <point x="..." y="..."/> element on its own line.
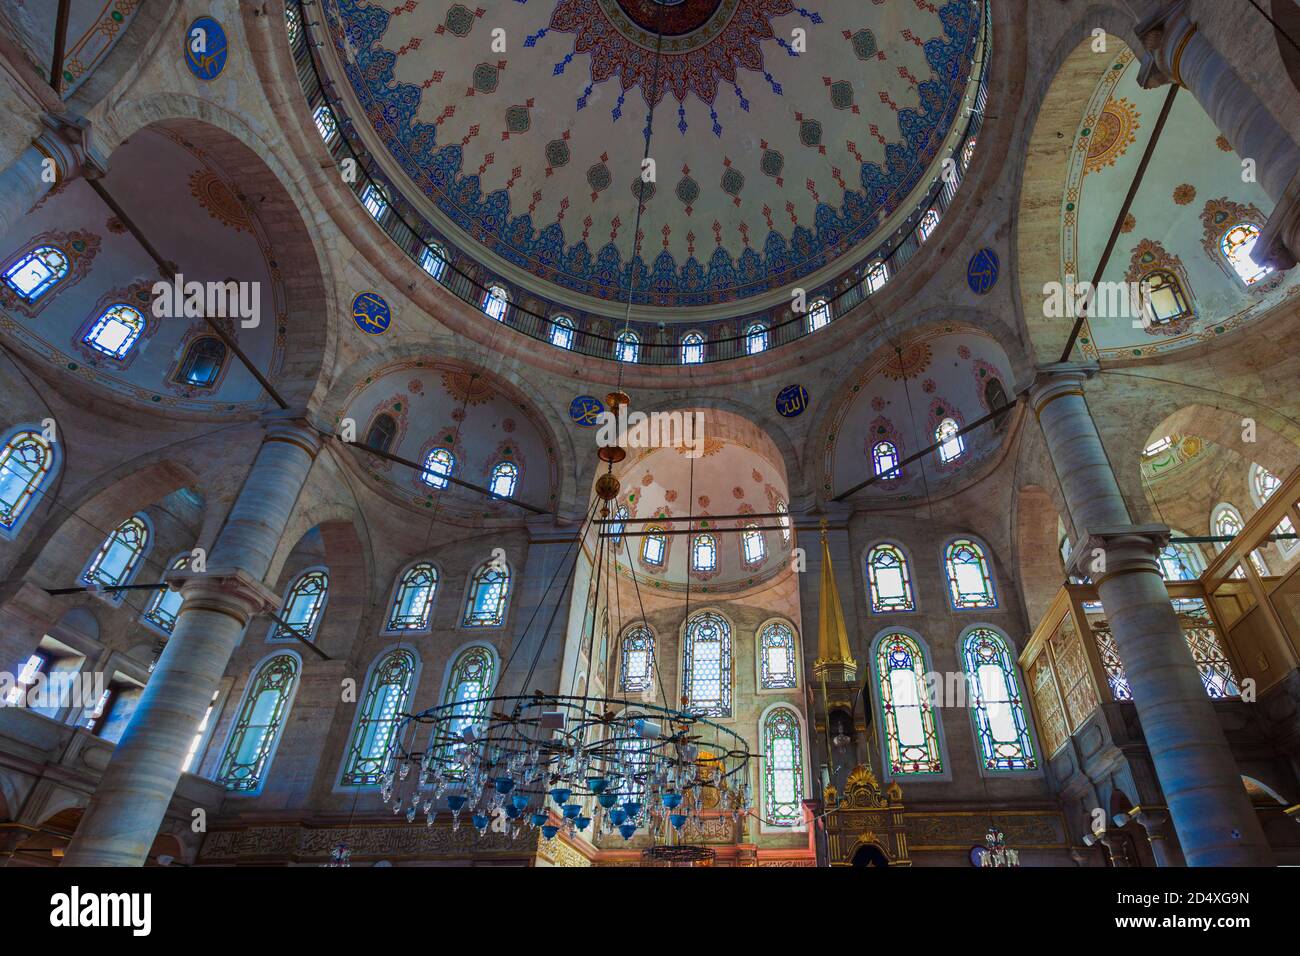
<point x="292" y="425"/>
<point x="230" y="591"/>
<point x="1060" y="378"/>
<point x="1124" y="550"/>
<point x="1164" y="35"/>
<point x="66" y="139"/>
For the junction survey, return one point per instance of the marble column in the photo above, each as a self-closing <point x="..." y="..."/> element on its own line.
<point x="66" y="144"/>
<point x="1178" y="52"/>
<point x="1164" y="843"/>
<point x="131" y="801"/>
<point x="1201" y="783"/>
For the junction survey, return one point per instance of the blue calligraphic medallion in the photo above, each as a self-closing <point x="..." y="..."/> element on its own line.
<point x="585" y="409"/>
<point x="792" y="400"/>
<point x="206" y="49"/>
<point x="371" y="313"/>
<point x="982" y="271"/>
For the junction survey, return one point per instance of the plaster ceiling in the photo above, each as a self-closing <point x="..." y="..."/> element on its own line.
<point x="770" y="163"/>
<point x="192" y="210"/>
<point x="1192" y="191"/>
<point x="93" y="27"/>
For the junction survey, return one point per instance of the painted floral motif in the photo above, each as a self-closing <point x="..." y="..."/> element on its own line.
<point x="1112" y="133"/>
<point x="467" y="387"/>
<point x="910" y="362"/>
<point x="219" y="200"/>
<point x="1184" y="193"/>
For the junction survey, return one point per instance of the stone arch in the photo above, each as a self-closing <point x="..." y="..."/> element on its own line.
<point x="1037" y="558"/>
<point x="130" y="53"/>
<point x="254" y="162"/>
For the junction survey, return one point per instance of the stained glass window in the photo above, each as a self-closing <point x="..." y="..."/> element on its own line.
<point x="782" y="768"/>
<point x="562" y="332"/>
<point x="952" y="446"/>
<point x="413" y="599"/>
<point x="910" y="736"/>
<point x="326" y="124"/>
<point x="489" y="588"/>
<point x="967" y="152"/>
<point x="877" y="276"/>
<point x="704" y="555"/>
<point x="387" y="693"/>
<point x="472" y="678"/>
<point x="201" y="366"/>
<point x="37" y="272"/>
<point x="120" y="556"/>
<point x="1263" y="483"/>
<point x="1065" y="552"/>
<point x="638" y="660"/>
<point x="303" y="604"/>
<point x="292" y="22"/>
<point x="504" y="476"/>
<point x="1163" y="298"/>
<point x="627" y="348"/>
<point x="166" y="603"/>
<point x="889" y="580"/>
<point x="438" y="466"/>
<point x="1180" y="561"/>
<point x="969" y="583"/>
<point x="706" y="665"/>
<point x="257" y="728"/>
<point x="1227" y="522"/>
<point x="819" y="314"/>
<point x="1237" y="244"/>
<point x="1203" y="641"/>
<point x="382" y="432"/>
<point x="777" y="657"/>
<point x="927" y="225"/>
<point x="783" y="520"/>
<point x="26" y="461"/>
<point x="495" y="302"/>
<point x="692" y="348"/>
<point x="116" y="330"/>
<point x="884" y="458"/>
<point x="653" y="547"/>
<point x="433" y="260"/>
<point x="997" y="707"/>
<point x="756" y="339"/>
<point x="753" y="543"/>
<point x="375" y="200"/>
<point x="620" y="522"/>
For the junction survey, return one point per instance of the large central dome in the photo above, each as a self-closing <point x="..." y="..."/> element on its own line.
<point x="524" y="124"/>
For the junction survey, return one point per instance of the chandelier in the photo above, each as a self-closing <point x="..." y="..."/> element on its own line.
<point x="996" y="852"/>
<point x="567" y="763"/>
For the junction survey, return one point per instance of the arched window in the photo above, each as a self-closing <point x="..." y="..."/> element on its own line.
<point x="1163" y="298"/>
<point x="562" y="332"/>
<point x="969" y="582"/>
<point x="755" y="547"/>
<point x="433" y="260"/>
<point x="26" y="462"/>
<point x="438" y="466"/>
<point x="704" y="553"/>
<point x="692" y="348"/>
<point x="967" y="152"/>
<point x="997" y="707"/>
<point x="889" y="579"/>
<point x="495" y="302"/>
<point x="382" y="432"/>
<point x="166" y="603"/>
<point x="375" y="199"/>
<point x="755" y="338"/>
<point x="877" y="276"/>
<point x="928" y="223"/>
<point x="627" y="348"/>
<point x="819" y="314"/>
<point x="471" y="678"/>
<point x="638" y="670"/>
<point x="488" y="591"/>
<point x="201" y="366"/>
<point x="706" y="665"/>
<point x="620" y="523"/>
<point x="911" y="741"/>
<point x="654" y="546"/>
<point x="1236" y="245"/>
<point x="326" y="124"/>
<point x="413" y="598"/>
<point x="304" y="602"/>
<point x="387" y="692"/>
<point x="260" y="719"/>
<point x="504" y="476"/>
<point x="120" y="556"/>
<point x="1262" y="485"/>
<point x="778" y="668"/>
<point x="1226" y="521"/>
<point x="782" y="768"/>
<point x="784" y="520"/>
<point x="37" y="272"/>
<point x="884" y="459"/>
<point x="952" y="446"/>
<point x="116" y="330"/>
<point x="292" y="23"/>
<point x="1180" y="561"/>
<point x="1065" y="552"/>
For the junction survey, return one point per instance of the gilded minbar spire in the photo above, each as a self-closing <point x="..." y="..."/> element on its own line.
<point x="834" y="662"/>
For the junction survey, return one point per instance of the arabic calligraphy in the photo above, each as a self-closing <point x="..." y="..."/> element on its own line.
<point x="982" y="271"/>
<point x="206" y="49"/>
<point x="371" y="313"/>
<point x="585" y="411"/>
<point x="792" y="400"/>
